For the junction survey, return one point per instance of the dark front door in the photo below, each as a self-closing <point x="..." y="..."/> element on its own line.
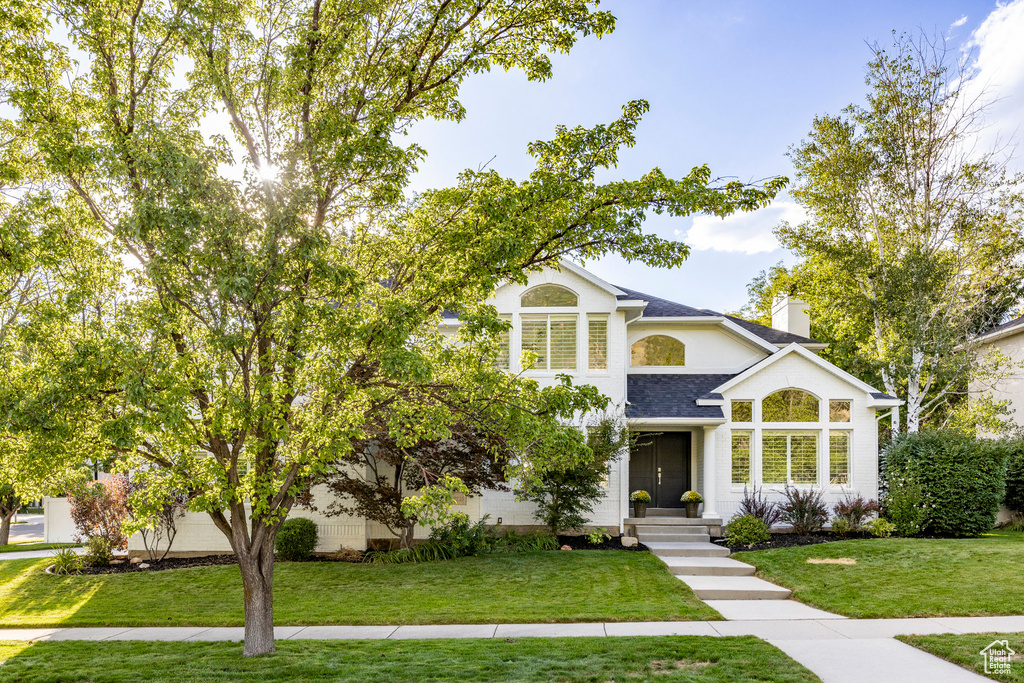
<point x="660" y="465"/>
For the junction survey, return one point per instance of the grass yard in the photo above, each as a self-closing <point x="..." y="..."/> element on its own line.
<point x="965" y="650"/>
<point x="553" y="586"/>
<point x="24" y="547"/>
<point x="903" y="577"/>
<point x="527" y="659"/>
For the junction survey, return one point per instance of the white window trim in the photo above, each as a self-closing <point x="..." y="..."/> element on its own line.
<point x="548" y="371"/>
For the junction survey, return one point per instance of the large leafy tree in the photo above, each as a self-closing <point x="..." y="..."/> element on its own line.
<point x="913" y="242"/>
<point x="285" y="296"/>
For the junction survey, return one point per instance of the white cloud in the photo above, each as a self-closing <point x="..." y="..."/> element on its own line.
<point x="747" y="233"/>
<point x="959" y="22"/>
<point x="997" y="74"/>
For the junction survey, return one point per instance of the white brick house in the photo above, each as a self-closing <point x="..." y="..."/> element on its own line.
<point x="732" y="403"/>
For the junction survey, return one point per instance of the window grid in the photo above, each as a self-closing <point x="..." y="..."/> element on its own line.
<point x="789" y="458"/>
<point x="839" y="458"/>
<point x="553" y="339"/>
<point x="741" y="457"/>
<point x="504" y="348"/>
<point x="597" y="343"/>
<point x="742" y="411"/>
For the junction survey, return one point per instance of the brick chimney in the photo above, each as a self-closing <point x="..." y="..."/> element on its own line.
<point x="789" y="314"/>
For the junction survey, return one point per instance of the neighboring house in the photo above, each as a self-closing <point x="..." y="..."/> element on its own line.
<point x="729" y="404"/>
<point x="1007" y="339"/>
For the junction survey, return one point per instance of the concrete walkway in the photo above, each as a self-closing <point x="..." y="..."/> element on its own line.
<point x="837" y="650"/>
<point x="35" y="554"/>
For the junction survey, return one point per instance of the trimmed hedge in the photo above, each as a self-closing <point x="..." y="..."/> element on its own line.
<point x="950" y="484"/>
<point x="296" y="539"/>
<point x="1015" y="476"/>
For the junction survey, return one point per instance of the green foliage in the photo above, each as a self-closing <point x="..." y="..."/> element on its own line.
<point x="755" y="503"/>
<point x="66" y="561"/>
<point x="640" y="496"/>
<point x="912" y="246"/>
<point x="463" y="538"/>
<point x="856" y="511"/>
<point x="598" y="536"/>
<point x="296" y="539"/>
<point x="428" y="551"/>
<point x="98" y="552"/>
<point x="691" y="497"/>
<point x="513" y="542"/>
<point x="881" y="528"/>
<point x="1014" y="498"/>
<point x="746" y="530"/>
<point x="805" y="509"/>
<point x="566" y="495"/>
<point x="944" y="483"/>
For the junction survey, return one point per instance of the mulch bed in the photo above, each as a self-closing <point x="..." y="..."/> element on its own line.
<point x="790" y="541"/>
<point x="581" y="543"/>
<point x="166" y="563"/>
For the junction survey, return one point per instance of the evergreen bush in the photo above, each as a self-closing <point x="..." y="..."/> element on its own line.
<point x="296" y="539"/>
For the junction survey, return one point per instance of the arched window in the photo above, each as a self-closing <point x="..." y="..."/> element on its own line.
<point x="789" y="405"/>
<point x="657" y="349"/>
<point x="548" y="295"/>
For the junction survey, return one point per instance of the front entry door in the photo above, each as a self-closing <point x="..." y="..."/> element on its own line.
<point x="660" y="465"/>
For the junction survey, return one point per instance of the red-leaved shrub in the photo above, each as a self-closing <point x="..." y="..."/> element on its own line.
<point x="98" y="508"/>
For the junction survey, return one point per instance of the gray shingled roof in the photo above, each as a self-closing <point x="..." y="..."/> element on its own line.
<point x="998" y="328"/>
<point x="881" y="394"/>
<point x="662" y="308"/>
<point x="671" y="395"/>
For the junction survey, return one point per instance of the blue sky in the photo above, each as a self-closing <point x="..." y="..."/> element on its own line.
<point x="732" y="85"/>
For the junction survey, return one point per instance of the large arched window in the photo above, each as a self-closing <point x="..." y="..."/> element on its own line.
<point x="789" y="405"/>
<point x="657" y="350"/>
<point x="548" y="295"/>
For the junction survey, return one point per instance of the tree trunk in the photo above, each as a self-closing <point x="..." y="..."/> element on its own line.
<point x="5" y="527"/>
<point x="257" y="569"/>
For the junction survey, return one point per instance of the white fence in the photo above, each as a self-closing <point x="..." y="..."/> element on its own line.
<point x="57" y="524"/>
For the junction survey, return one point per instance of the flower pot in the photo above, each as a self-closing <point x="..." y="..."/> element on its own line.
<point x="691" y="509"/>
<point x="639" y="509"/>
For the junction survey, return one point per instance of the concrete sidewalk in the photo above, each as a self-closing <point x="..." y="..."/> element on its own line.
<point x="837" y="650"/>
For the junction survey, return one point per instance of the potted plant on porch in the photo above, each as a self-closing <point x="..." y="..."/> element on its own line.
<point x="692" y="499"/>
<point x="640" y="499"/>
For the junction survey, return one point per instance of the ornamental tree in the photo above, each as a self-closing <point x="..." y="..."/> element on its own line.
<point x="285" y="294"/>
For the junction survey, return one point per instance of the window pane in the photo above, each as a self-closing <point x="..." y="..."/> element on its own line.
<point x="535" y="339"/>
<point x="742" y="411"/>
<point x="563" y="344"/>
<point x="838" y="411"/>
<point x="597" y="342"/>
<point x="839" y="458"/>
<point x="789" y="405"/>
<point x="774" y="447"/>
<point x="503" y="349"/>
<point x="740" y="457"/>
<point x="803" y="458"/>
<point x="549" y="295"/>
<point x="658" y="350"/>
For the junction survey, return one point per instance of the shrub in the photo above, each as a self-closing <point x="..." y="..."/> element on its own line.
<point x="598" y="536"/>
<point x="1014" y="498"/>
<point x="857" y="511"/>
<point x="691" y="497"/>
<point x="1015" y="523"/>
<point x="463" y="538"/>
<point x="97" y="552"/>
<point x="296" y="539"/>
<point x="153" y="510"/>
<point x="428" y="551"/>
<point x="66" y="561"/>
<point x="640" y="496"/>
<point x="804" y="509"/>
<point x="746" y="530"/>
<point x="100" y="509"/>
<point x="944" y="482"/>
<point x="758" y="505"/>
<point x="881" y="528"/>
<point x="842" y="527"/>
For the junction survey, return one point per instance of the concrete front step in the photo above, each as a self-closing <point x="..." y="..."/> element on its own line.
<point x="693" y="549"/>
<point x="674" y="521"/>
<point x="662" y="529"/>
<point x="734" y="588"/>
<point x="648" y="538"/>
<point x="702" y="566"/>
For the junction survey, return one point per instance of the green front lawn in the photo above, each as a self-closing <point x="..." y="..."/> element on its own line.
<point x="24" y="547"/>
<point x="553" y="586"/>
<point x="965" y="650"/>
<point x="903" y="577"/>
<point x="525" y="659"/>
